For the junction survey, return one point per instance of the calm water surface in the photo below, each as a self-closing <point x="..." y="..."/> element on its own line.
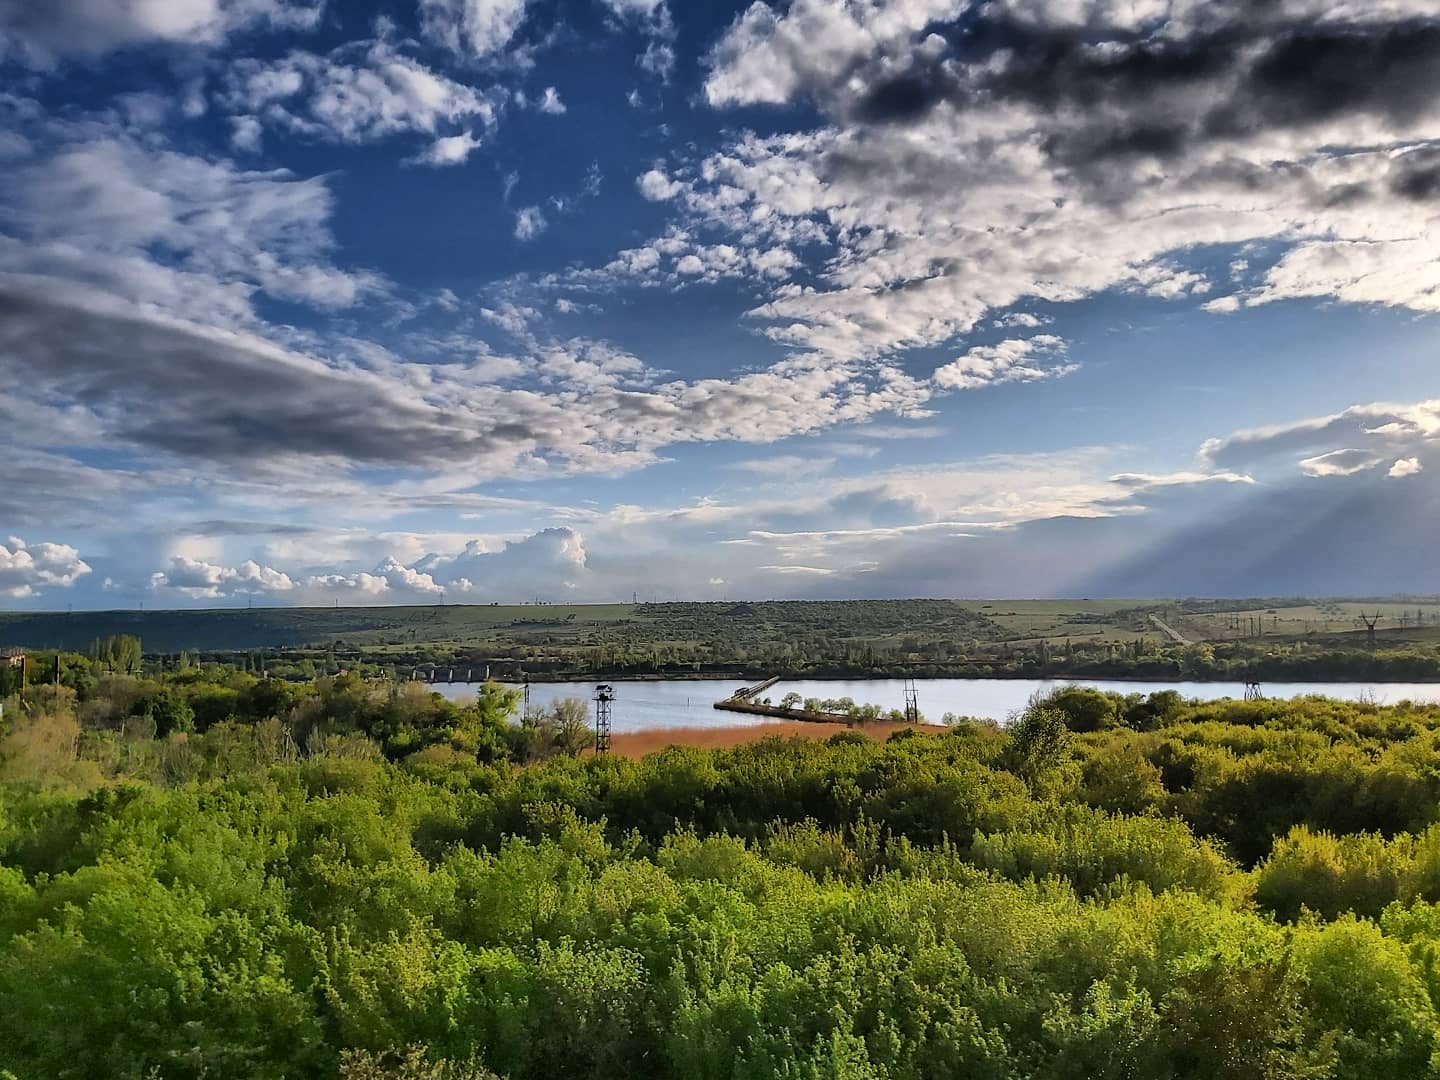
<point x="645" y="705"/>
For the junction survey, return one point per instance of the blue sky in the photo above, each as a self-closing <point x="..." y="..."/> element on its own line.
<point x="312" y="302"/>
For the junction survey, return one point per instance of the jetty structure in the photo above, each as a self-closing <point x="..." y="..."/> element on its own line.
<point x="743" y="701"/>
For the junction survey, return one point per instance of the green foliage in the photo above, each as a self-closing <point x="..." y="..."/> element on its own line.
<point x="117" y="652"/>
<point x="363" y="880"/>
<point x="1092" y="850"/>
<point x="1038" y="740"/>
<point x="1085" y="709"/>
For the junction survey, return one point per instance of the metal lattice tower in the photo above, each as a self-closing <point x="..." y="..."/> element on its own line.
<point x="1252" y="689"/>
<point x="604" y="696"/>
<point x="912" y="702"/>
<point x="1370" y="627"/>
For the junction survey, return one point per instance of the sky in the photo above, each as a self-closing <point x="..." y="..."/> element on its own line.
<point x="474" y="301"/>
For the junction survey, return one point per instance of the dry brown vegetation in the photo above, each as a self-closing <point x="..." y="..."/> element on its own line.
<point x="639" y="743"/>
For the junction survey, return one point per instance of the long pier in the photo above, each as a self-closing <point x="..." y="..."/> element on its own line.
<point x="448" y="675"/>
<point x="745" y="693"/>
<point x="743" y="701"/>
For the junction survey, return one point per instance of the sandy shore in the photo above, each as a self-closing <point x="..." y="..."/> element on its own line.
<point x="639" y="743"/>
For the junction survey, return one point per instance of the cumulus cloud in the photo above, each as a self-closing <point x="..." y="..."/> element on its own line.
<point x="678" y="259"/>
<point x="1015" y="360"/>
<point x="1405" y="467"/>
<point x="550" y="561"/>
<point x="657" y="187"/>
<point x="201" y="580"/>
<point x="25" y="569"/>
<point x="976" y="157"/>
<point x="363" y="93"/>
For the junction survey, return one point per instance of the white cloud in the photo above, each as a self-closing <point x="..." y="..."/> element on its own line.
<point x="450" y="150"/>
<point x="381" y="94"/>
<point x="48" y="29"/>
<point x="1015" y="360"/>
<point x="1389" y="428"/>
<point x="551" y="103"/>
<point x="479" y="28"/>
<point x="28" y="568"/>
<point x="246" y="133"/>
<point x="1022" y="320"/>
<point x="529" y="223"/>
<point x="653" y="17"/>
<point x="657" y="187"/>
<point x="548" y="560"/>
<point x="953" y="181"/>
<point x="658" y="59"/>
<point x="1346" y="462"/>
<point x="767" y="58"/>
<point x="1140" y="483"/>
<point x="201" y="580"/>
<point x="636" y="9"/>
<point x="787" y="466"/>
<point x="405" y="578"/>
<point x="172" y="232"/>
<point x="1405" y="467"/>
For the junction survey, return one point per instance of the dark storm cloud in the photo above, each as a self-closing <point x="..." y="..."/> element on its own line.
<point x="1157" y="92"/>
<point x="224" y="397"/>
<point x="1416" y="175"/>
<point x="1359" y="535"/>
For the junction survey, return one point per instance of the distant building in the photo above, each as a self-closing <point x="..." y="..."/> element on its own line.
<point x="11" y="656"/>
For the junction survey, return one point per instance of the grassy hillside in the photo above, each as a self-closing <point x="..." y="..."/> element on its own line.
<point x="269" y="628"/>
<point x="861" y="633"/>
<point x="723" y="626"/>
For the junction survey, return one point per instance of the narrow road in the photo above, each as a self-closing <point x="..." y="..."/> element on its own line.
<point x="1175" y="635"/>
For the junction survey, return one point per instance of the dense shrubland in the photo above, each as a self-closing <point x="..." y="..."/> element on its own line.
<point x="223" y="876"/>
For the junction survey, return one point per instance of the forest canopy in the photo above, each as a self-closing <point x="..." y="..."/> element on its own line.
<point x="226" y="876"/>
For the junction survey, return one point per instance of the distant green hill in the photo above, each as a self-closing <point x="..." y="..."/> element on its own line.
<point x="270" y="628"/>
<point x="769" y="630"/>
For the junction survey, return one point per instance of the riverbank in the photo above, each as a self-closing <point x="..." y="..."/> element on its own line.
<point x="743" y="677"/>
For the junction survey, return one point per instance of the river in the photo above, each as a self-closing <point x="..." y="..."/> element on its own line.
<point x="650" y="704"/>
